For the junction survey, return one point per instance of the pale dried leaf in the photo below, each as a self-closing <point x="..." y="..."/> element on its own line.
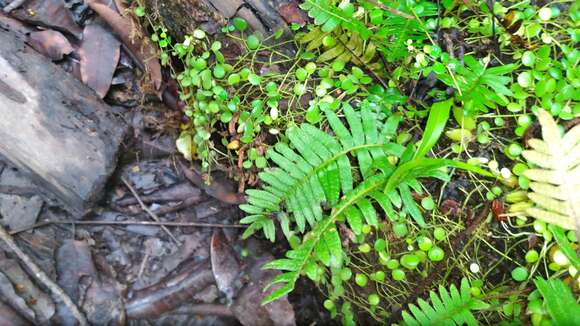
<point x="548" y="189"/>
<point x="557" y="180"/>
<point x="572" y="137"/>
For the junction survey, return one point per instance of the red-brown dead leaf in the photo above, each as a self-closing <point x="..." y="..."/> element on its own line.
<point x="99" y="54"/>
<point x="292" y="14"/>
<point x="498" y="210"/>
<point x="140" y="48"/>
<point x="50" y="43"/>
<point x="49" y="13"/>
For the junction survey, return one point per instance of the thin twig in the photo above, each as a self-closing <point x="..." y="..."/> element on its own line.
<point x="13" y="5"/>
<point x="149" y="223"/>
<point x="42" y="277"/>
<point x="150" y="212"/>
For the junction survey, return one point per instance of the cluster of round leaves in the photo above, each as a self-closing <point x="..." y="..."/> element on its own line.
<point x="208" y="85"/>
<point x="216" y="91"/>
<point x="392" y="267"/>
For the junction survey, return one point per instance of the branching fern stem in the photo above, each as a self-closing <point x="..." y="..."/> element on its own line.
<point x="374" y="182"/>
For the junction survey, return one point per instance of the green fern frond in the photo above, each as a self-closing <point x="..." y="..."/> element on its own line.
<point x="329" y="16"/>
<point x="480" y="86"/>
<point x="397" y="28"/>
<point x="556" y="180"/>
<point x="314" y="169"/>
<point x="448" y="307"/>
<point x="559" y="301"/>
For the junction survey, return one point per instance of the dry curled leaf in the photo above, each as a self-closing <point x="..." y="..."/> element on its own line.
<point x="51" y="44"/>
<point x="248" y="308"/>
<point x="140" y="48"/>
<point x="99" y="53"/>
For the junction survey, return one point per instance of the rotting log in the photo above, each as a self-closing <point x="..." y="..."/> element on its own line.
<point x="53" y="128"/>
<point x="181" y="17"/>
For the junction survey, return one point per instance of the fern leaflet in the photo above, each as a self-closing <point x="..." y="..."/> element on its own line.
<point x="448" y="307"/>
<point x="556" y="180"/>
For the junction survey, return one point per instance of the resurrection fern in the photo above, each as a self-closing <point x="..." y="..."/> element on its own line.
<point x="310" y="179"/>
<point x="556" y="179"/>
<point x="448" y="307"/>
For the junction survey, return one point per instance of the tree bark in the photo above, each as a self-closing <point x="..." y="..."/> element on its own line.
<point x="181" y="17"/>
<point x="53" y="128"/>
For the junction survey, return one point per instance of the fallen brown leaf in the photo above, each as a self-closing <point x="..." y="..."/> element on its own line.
<point x="292" y="14"/>
<point x="99" y="54"/>
<point x="248" y="308"/>
<point x="140" y="48"/>
<point x="224" y="264"/>
<point x="50" y="43"/>
<point x="73" y="264"/>
<point x="49" y="13"/>
<point x="219" y="188"/>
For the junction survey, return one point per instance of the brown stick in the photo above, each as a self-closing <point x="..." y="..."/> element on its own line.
<point x="42" y="277"/>
<point x="146" y="209"/>
<point x="151" y="223"/>
<point x="205" y="309"/>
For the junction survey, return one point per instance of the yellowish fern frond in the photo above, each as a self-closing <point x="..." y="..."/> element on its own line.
<point x="555" y="180"/>
<point x="349" y="47"/>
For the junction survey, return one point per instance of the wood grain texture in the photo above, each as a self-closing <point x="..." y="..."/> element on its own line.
<point x="53" y="128"/>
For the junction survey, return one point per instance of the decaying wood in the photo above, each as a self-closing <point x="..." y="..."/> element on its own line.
<point x="181" y="17"/>
<point x="53" y="128"/>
